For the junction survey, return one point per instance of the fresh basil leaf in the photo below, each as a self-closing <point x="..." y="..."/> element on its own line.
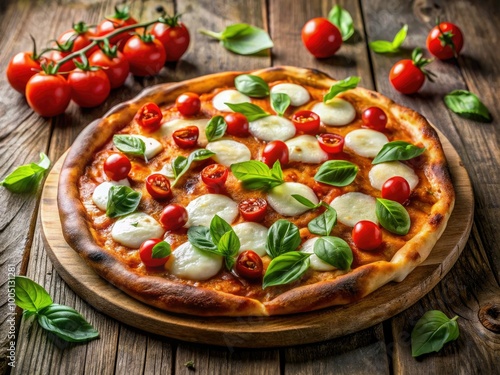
<point x="66" y="323"/>
<point x="26" y="178"/>
<point x="122" y="200"/>
<point x="251" y="85"/>
<point x="400" y="37"/>
<point x="251" y="111"/>
<point x="323" y="224"/>
<point x="161" y="250"/>
<point x="392" y="216"/>
<point x="432" y="331"/>
<point x="280" y="102"/>
<point x="200" y="237"/>
<point x="185" y="164"/>
<point x="29" y="295"/>
<point x="282" y="237"/>
<point x="341" y="86"/>
<point x="397" y="150"/>
<point x="178" y="164"/>
<point x="384" y="46"/>
<point x="286" y="268"/>
<point x="129" y="145"/>
<point x="306" y="202"/>
<point x="234" y="30"/>
<point x="256" y="175"/>
<point x="216" y="128"/>
<point x="336" y="173"/>
<point x="334" y="251"/>
<point x="468" y="105"/>
<point x="219" y="227"/>
<point x="228" y="246"/>
<point x="343" y="20"/>
<point x="276" y="171"/>
<point x="248" y="42"/>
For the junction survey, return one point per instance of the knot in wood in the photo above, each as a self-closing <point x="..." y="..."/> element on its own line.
<point x="489" y="316"/>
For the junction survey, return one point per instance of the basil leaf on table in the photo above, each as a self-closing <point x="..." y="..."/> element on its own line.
<point x="323" y="224"/>
<point x="251" y="85"/>
<point x="341" y="86"/>
<point x="181" y="165"/>
<point x="286" y="268"/>
<point x="256" y="175"/>
<point x="228" y="246"/>
<point x="343" y="20"/>
<point x="29" y="295"/>
<point x="26" y="178"/>
<point x="161" y="250"/>
<point x="397" y="150"/>
<point x="251" y="111"/>
<point x="384" y="46"/>
<point x="392" y="216"/>
<point x="282" y="237"/>
<point x="216" y="128"/>
<point x="129" y="144"/>
<point x="122" y="200"/>
<point x="334" y="251"/>
<point x="280" y="102"/>
<point x="337" y="173"/>
<point x="432" y="331"/>
<point x="468" y="105"/>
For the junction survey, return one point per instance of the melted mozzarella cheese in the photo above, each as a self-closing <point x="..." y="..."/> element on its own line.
<point x="228" y="152"/>
<point x="153" y="147"/>
<point x="187" y="262"/>
<point x="306" y="149"/>
<point x="132" y="230"/>
<point x="353" y="207"/>
<point x="272" y="128"/>
<point x="281" y="200"/>
<point x="380" y="173"/>
<point x="316" y="263"/>
<point x="100" y="195"/>
<point x="252" y="236"/>
<point x="202" y="209"/>
<point x="337" y="112"/>
<point x="366" y="142"/>
<point x="229" y="96"/>
<point x="168" y="128"/>
<point x="297" y="93"/>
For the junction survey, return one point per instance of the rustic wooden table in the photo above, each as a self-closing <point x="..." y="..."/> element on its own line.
<point x="471" y="289"/>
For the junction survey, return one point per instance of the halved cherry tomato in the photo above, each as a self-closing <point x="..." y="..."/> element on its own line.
<point x="158" y="186"/>
<point x="21" y="68"/>
<point x="48" y="95"/>
<point x="115" y="67"/>
<point x="374" y="118"/>
<point x="396" y="189"/>
<point x="173" y="216"/>
<point x="253" y="209"/>
<point x="445" y="41"/>
<point x="331" y="143"/>
<point x="306" y="121"/>
<point x="214" y="175"/>
<point x="149" y="117"/>
<point x="117" y="166"/>
<point x="367" y="235"/>
<point x="188" y="104"/>
<point x="321" y="37"/>
<point x="146" y="56"/>
<point x="237" y="124"/>
<point x="89" y="88"/>
<point x="174" y="36"/>
<point x="249" y="265"/>
<point x="146" y="253"/>
<point x="275" y="150"/>
<point x="121" y="18"/>
<point x="186" y="137"/>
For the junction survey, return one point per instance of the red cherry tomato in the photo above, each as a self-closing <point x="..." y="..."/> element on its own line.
<point x="396" y="189"/>
<point x="48" y="95"/>
<point x="237" y="124"/>
<point x="89" y="88"/>
<point x="214" y="175"/>
<point x="445" y="41"/>
<point x="367" y="235"/>
<point x="374" y="118"/>
<point x="173" y="216"/>
<point x="406" y="77"/>
<point x="175" y="38"/>
<point x="306" y="121"/>
<point x="275" y="150"/>
<point x="188" y="104"/>
<point x="21" y="68"/>
<point x="158" y="186"/>
<point x="68" y="66"/>
<point x="146" y="253"/>
<point x="253" y="209"/>
<point x="146" y="58"/>
<point x="149" y="117"/>
<point x="321" y="37"/>
<point x="121" y="18"/>
<point x="331" y="143"/>
<point x="117" y="166"/>
<point x="80" y="35"/>
<point x="249" y="265"/>
<point x="116" y="68"/>
<point x="186" y="137"/>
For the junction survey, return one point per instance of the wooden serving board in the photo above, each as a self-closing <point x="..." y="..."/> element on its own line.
<point x="263" y="331"/>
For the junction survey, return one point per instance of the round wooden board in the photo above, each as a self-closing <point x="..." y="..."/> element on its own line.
<point x="263" y="331"/>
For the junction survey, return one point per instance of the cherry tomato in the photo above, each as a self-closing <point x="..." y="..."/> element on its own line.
<point x="21" y="68"/>
<point x="145" y="55"/>
<point x="149" y="117"/>
<point x="117" y="166"/>
<point x="321" y="37"/>
<point x="158" y="186"/>
<point x="406" y="77"/>
<point x="306" y="121"/>
<point x="173" y="216"/>
<point x="80" y="36"/>
<point x="121" y="18"/>
<point x="374" y="118"/>
<point x="396" y="189"/>
<point x="367" y="235"/>
<point x="48" y="95"/>
<point x="186" y="137"/>
<point x="175" y="38"/>
<point x="237" y="124"/>
<point x="331" y="143"/>
<point x="89" y="88"/>
<point x="146" y="253"/>
<point x="57" y="55"/>
<point x="275" y="150"/>
<point x="214" y="175"/>
<point x="116" y="68"/>
<point x="249" y="265"/>
<point x="253" y="209"/>
<point x="188" y="104"/>
<point x="445" y="41"/>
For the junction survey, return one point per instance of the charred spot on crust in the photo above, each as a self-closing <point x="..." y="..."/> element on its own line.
<point x="97" y="257"/>
<point x="436" y="219"/>
<point x="373" y="95"/>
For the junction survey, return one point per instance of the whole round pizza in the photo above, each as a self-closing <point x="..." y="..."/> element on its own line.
<point x="269" y="192"/>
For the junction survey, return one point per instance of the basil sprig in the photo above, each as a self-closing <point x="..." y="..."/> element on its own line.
<point x="397" y="150"/>
<point x="384" y="46"/>
<point x="251" y="111"/>
<point x="337" y="173"/>
<point x="61" y="320"/>
<point x="343" y="20"/>
<point x="122" y="200"/>
<point x="280" y="102"/>
<point x="26" y="178"/>
<point x="130" y="145"/>
<point x="341" y="86"/>
<point x="161" y="250"/>
<point x="334" y="251"/>
<point x="392" y="216"/>
<point x="468" y="105"/>
<point x="282" y="237"/>
<point x="286" y="268"/>
<point x="256" y="175"/>
<point x="216" y="128"/>
<point x="251" y="85"/>
<point x="181" y="164"/>
<point x="323" y="224"/>
<point x="432" y="331"/>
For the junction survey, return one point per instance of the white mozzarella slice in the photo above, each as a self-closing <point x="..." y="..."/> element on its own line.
<point x="306" y="149"/>
<point x="380" y="173"/>
<point x="100" y="195"/>
<point x="281" y="200"/>
<point x="337" y="112"/>
<point x="187" y="262"/>
<point x="167" y="171"/>
<point x="365" y="142"/>
<point x="272" y="128"/>
<point x="168" y="128"/>
<point x="229" y="96"/>
<point x="353" y="207"/>
<point x="132" y="230"/>
<point x="252" y="236"/>
<point x="316" y="263"/>
<point x="153" y="147"/>
<point x="297" y="93"/>
<point x="202" y="209"/>
<point x="228" y="152"/>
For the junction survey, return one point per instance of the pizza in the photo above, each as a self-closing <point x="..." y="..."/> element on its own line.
<point x="269" y="192"/>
